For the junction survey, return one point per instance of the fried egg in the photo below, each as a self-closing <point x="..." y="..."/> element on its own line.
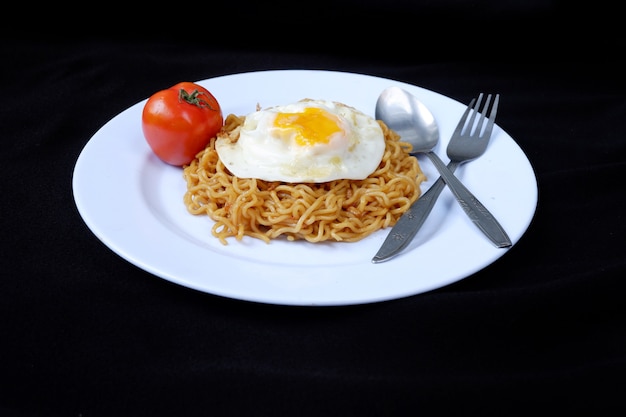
<point x="306" y="141"/>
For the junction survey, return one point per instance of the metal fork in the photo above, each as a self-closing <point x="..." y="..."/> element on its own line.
<point x="467" y="143"/>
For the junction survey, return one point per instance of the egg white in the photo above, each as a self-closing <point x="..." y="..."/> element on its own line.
<point x="350" y="144"/>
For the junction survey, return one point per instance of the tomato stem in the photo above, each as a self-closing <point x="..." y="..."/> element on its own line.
<point x="194" y="98"/>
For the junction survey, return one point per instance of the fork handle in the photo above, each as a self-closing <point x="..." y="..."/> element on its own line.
<point x="476" y="211"/>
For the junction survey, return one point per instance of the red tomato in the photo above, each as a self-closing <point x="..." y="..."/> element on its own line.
<point x="179" y="122"/>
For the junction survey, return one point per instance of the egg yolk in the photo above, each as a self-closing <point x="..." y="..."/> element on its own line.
<point x="312" y="126"/>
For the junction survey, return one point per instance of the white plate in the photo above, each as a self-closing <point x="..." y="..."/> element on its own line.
<point x="134" y="204"/>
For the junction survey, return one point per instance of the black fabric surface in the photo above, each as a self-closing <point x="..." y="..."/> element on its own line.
<point x="542" y="331"/>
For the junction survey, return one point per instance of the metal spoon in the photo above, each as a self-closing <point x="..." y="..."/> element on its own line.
<point x="407" y="116"/>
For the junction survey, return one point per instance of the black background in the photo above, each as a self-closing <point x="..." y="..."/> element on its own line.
<point x="542" y="330"/>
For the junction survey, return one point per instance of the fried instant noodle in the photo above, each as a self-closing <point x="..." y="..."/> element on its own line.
<point x="340" y="210"/>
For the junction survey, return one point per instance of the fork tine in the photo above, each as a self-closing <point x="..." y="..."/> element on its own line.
<point x="461" y="125"/>
<point x="470" y="124"/>
<point x="481" y="120"/>
<point x="492" y="116"/>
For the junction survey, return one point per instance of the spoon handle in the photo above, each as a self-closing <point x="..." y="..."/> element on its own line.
<point x="476" y="211"/>
<point x="411" y="221"/>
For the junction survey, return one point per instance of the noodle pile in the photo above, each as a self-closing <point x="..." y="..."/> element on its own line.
<point x="340" y="210"/>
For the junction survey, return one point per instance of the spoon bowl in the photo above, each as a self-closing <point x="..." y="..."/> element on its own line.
<point x="410" y="118"/>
